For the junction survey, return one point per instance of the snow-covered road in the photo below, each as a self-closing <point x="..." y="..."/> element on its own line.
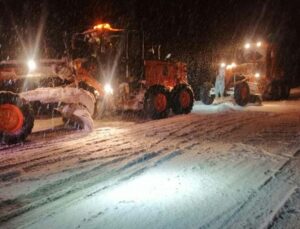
<point x="221" y="166"/>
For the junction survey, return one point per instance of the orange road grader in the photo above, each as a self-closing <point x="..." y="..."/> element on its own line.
<point x="53" y="85"/>
<point x="253" y="74"/>
<point x="107" y="69"/>
<point x="136" y="77"/>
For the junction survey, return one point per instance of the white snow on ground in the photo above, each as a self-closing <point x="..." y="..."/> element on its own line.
<point x="222" y="166"/>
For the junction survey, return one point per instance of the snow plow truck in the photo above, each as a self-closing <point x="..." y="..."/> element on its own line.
<point x="255" y="74"/>
<point x="107" y="69"/>
<point x="28" y="87"/>
<point x="137" y="77"/>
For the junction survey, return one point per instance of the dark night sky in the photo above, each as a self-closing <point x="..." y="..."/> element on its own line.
<point x="174" y="21"/>
<point x="182" y="26"/>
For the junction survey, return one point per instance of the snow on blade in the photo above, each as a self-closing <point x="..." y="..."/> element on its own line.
<point x="61" y="95"/>
<point x="77" y="104"/>
<point x="79" y="114"/>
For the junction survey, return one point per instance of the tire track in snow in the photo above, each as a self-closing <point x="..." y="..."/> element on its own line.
<point x="171" y="132"/>
<point x="36" y="198"/>
<point x="266" y="203"/>
<point x="289" y="215"/>
<point x="64" y="182"/>
<point x="57" y="153"/>
<point x="61" y="158"/>
<point x="118" y="161"/>
<point x="53" y="146"/>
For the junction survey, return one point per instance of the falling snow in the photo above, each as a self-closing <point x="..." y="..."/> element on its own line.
<point x="221" y="166"/>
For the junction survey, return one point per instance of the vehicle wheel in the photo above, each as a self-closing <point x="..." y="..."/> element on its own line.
<point x="156" y="102"/>
<point x="182" y="99"/>
<point x="16" y="117"/>
<point x="241" y="94"/>
<point x="285" y="91"/>
<point x="205" y="96"/>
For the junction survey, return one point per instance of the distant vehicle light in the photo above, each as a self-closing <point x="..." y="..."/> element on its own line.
<point x="258" y="44"/>
<point x="228" y="67"/>
<point x="103" y="26"/>
<point x="257" y="75"/>
<point x="31" y="65"/>
<point x="233" y="65"/>
<point x="223" y="65"/>
<point x="247" y="45"/>
<point x="108" y="89"/>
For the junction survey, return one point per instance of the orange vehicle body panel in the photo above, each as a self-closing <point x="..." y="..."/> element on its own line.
<point x="263" y="60"/>
<point x="84" y="76"/>
<point x="165" y="73"/>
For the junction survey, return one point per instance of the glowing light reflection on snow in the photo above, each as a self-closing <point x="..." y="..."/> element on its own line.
<point x="157" y="186"/>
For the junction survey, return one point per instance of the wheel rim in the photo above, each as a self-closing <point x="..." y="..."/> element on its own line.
<point x="160" y="102"/>
<point x="11" y="117"/>
<point x="244" y="93"/>
<point x="185" y="99"/>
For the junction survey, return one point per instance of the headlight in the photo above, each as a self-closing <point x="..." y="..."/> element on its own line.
<point x="229" y="66"/>
<point x="258" y="44"/>
<point x="108" y="89"/>
<point x="31" y="65"/>
<point x="257" y="75"/>
<point x="247" y="45"/>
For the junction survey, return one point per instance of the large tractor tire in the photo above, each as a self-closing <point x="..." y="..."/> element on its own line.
<point x="156" y="102"/>
<point x="16" y="118"/>
<point x="242" y="93"/>
<point x="182" y="99"/>
<point x="205" y="95"/>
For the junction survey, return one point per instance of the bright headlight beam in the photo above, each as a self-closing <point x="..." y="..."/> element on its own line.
<point x="31" y="65"/>
<point x="108" y="89"/>
<point x="247" y="46"/>
<point x="228" y="67"/>
<point x="258" y="44"/>
<point x="257" y="75"/>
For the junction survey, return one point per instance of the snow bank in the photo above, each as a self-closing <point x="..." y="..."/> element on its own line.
<point x="199" y="107"/>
